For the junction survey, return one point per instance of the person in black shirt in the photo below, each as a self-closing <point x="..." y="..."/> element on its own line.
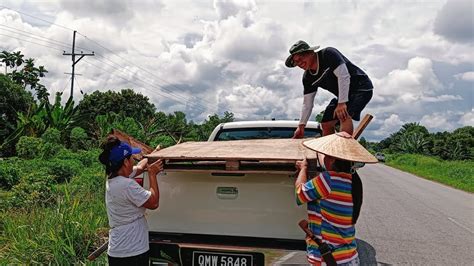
<point x="329" y="69"/>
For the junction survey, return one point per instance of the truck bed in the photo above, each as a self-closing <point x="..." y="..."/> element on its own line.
<point x="275" y="156"/>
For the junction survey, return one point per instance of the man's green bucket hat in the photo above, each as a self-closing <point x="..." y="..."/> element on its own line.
<point x="298" y="47"/>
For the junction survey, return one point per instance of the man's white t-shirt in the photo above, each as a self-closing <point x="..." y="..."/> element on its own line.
<point x="128" y="235"/>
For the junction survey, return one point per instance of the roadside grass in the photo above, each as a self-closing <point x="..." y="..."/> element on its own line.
<point x="62" y="232"/>
<point x="457" y="174"/>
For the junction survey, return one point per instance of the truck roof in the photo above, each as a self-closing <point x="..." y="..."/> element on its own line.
<point x="267" y="123"/>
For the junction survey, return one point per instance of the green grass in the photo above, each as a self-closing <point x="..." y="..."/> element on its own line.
<point x="457" y="174"/>
<point x="63" y="232"/>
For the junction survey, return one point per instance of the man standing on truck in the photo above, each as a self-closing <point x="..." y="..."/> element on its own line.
<point x="331" y="70"/>
<point x="328" y="197"/>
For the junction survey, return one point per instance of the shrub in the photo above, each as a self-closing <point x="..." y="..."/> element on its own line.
<point x="29" y="147"/>
<point x="33" y="190"/>
<point x="79" y="139"/>
<point x="66" y="154"/>
<point x="8" y="174"/>
<point x="49" y="150"/>
<point x="63" y="170"/>
<point x="89" y="158"/>
<point x="51" y="135"/>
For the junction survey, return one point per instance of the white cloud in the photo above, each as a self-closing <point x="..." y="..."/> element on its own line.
<point x="389" y="125"/>
<point x="466" y="76"/>
<point x="252" y="102"/>
<point x="189" y="55"/>
<point x="438" y="121"/>
<point x="467" y="119"/>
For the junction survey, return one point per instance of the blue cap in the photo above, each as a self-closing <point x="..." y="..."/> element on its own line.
<point x="122" y="151"/>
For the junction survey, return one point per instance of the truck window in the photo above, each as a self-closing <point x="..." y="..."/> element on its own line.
<point x="263" y="133"/>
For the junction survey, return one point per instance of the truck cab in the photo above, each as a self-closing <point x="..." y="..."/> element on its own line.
<point x="264" y="129"/>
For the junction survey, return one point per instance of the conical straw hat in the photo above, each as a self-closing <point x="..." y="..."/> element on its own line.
<point x="341" y="146"/>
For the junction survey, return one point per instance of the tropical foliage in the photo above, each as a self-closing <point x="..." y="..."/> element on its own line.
<point x="414" y="138"/>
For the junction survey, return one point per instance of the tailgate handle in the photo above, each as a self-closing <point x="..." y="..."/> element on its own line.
<point x="227" y="192"/>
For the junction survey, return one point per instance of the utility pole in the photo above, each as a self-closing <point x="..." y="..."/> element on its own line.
<point x="74" y="61"/>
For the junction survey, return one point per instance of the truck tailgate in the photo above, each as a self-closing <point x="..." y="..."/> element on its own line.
<point x="243" y="205"/>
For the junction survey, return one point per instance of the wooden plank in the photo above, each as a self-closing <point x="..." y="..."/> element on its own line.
<point x="237" y="150"/>
<point x="133" y="142"/>
<point x="362" y="125"/>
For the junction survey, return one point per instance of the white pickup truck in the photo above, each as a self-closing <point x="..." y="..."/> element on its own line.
<point x="216" y="212"/>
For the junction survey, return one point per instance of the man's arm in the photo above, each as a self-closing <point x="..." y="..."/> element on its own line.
<point x="308" y="103"/>
<point x="343" y="82"/>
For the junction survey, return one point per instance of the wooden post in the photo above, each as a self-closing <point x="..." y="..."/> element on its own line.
<point x="362" y="125"/>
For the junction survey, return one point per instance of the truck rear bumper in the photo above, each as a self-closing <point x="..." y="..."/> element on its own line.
<point x="227" y="241"/>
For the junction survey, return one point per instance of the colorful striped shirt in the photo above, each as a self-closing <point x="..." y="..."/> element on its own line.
<point x="330" y="207"/>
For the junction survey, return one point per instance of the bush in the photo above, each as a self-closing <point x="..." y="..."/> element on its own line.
<point x="66" y="154"/>
<point x="63" y="170"/>
<point x="49" y="150"/>
<point x="8" y="174"/>
<point x="79" y="139"/>
<point x="89" y="158"/>
<point x="33" y="190"/>
<point x="52" y="135"/>
<point x="29" y="147"/>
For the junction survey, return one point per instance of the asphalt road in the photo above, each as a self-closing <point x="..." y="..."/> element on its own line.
<point x="409" y="220"/>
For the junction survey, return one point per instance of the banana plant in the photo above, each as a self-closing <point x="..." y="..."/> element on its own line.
<point x="32" y="123"/>
<point x="63" y="118"/>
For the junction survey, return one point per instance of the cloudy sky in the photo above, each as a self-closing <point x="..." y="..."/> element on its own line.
<point x="205" y="57"/>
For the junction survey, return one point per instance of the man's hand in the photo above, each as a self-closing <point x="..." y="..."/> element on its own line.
<point x="299" y="132"/>
<point x="341" y="112"/>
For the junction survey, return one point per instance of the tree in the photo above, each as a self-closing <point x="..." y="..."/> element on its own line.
<point x="14" y="100"/>
<point x="458" y="145"/>
<point x="126" y="103"/>
<point x="363" y="142"/>
<point x="105" y="123"/>
<point x="29" y="75"/>
<point x="413" y="142"/>
<point x="319" y="117"/>
<point x="63" y="118"/>
<point x="203" y="131"/>
<point x="392" y="143"/>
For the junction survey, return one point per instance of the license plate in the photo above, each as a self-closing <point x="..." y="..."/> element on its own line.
<point x="204" y="258"/>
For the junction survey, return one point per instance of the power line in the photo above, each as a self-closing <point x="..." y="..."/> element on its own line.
<point x="121" y="69"/>
<point x="50" y="42"/>
<point x="164" y="94"/>
<point x="49" y="22"/>
<point x="31" y="42"/>
<point x="39" y="36"/>
<point x="78" y="84"/>
<point x="151" y="91"/>
<point x="170" y="95"/>
<point x="67" y="83"/>
<point x="147" y="71"/>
